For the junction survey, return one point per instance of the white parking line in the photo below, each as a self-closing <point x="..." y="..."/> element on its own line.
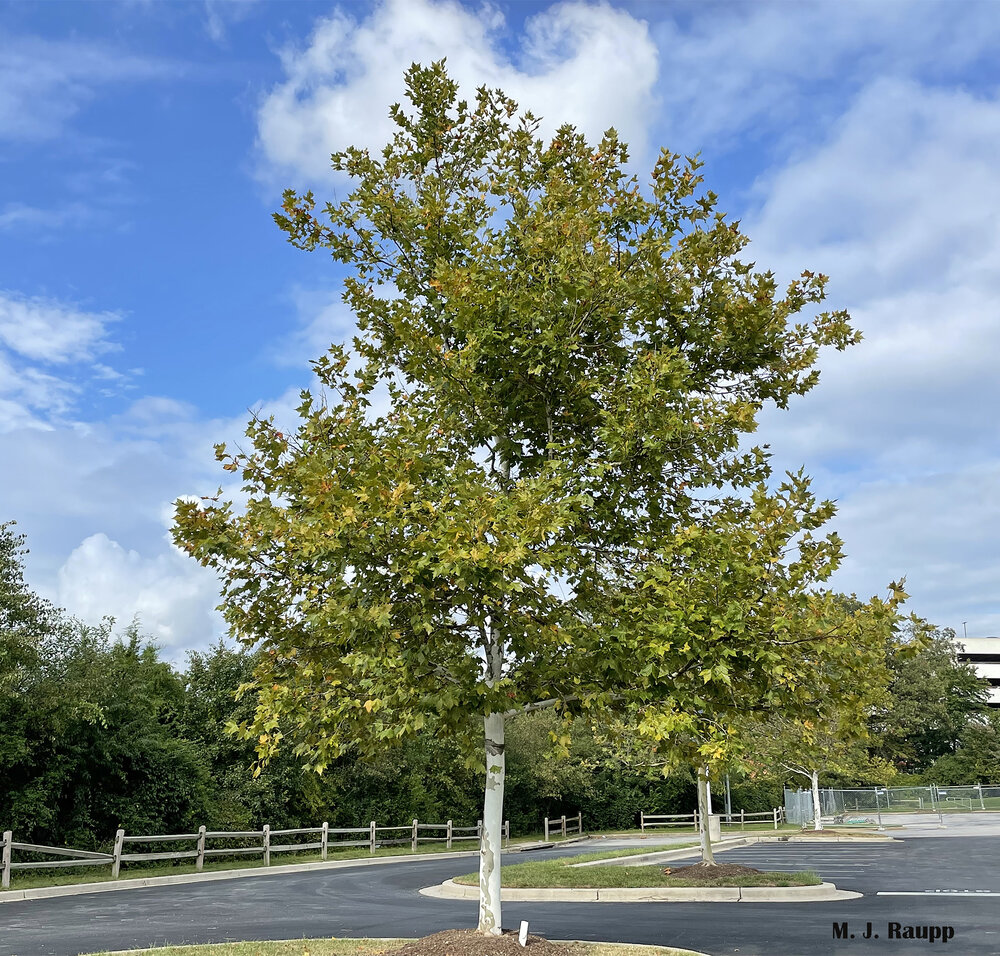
<point x="944" y="893"/>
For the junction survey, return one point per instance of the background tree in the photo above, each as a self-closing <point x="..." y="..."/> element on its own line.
<point x="570" y="367"/>
<point x="933" y="698"/>
<point x="25" y="618"/>
<point x="283" y="792"/>
<point x="94" y="743"/>
<point x="976" y="758"/>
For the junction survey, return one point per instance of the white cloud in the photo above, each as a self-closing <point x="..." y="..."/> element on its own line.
<point x="584" y="63"/>
<point x="324" y="319"/>
<point x="44" y="83"/>
<point x="23" y="217"/>
<point x="220" y="15"/>
<point x="899" y="206"/>
<point x="900" y="209"/>
<point x="96" y="503"/>
<point x="51" y="332"/>
<point x="940" y="532"/>
<point x="172" y="597"/>
<point x="770" y="70"/>
<point x="37" y="334"/>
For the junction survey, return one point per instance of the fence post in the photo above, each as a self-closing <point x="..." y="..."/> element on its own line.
<point x="413" y="839"/>
<point x="324" y="840"/>
<point x="267" y="844"/>
<point x="506" y="832"/>
<point x="371" y="831"/>
<point x="8" y="839"/>
<point x="642" y="821"/>
<point x="449" y="834"/>
<point x="116" y="854"/>
<point x="546" y="829"/>
<point x="563" y="824"/>
<point x="200" y="860"/>
<point x="695" y="815"/>
<point x="479" y="832"/>
<point x="775" y="818"/>
<point x="742" y="819"/>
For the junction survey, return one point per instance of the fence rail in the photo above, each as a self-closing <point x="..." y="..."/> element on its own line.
<point x="650" y="820"/>
<point x="447" y="833"/>
<point x="566" y="826"/>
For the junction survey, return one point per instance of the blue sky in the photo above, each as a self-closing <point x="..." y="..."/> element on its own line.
<point x="147" y="300"/>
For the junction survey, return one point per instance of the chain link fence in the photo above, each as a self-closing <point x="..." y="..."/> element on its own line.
<point x="866" y="805"/>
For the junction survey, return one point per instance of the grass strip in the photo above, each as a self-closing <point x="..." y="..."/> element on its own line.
<point x="544" y="874"/>
<point x="366" y="947"/>
<point x="287" y="947"/>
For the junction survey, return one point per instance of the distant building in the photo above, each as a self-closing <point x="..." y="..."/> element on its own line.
<point x="984" y="654"/>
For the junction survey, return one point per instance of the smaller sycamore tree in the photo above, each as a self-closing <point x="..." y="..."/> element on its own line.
<point x="524" y="487"/>
<point x="806" y="747"/>
<point x="812" y="717"/>
<point x="830" y="732"/>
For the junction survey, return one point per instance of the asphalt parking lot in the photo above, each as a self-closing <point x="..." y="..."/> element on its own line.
<point x="946" y="882"/>
<point x="852" y="866"/>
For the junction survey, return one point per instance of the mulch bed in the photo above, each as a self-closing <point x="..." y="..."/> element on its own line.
<point x="708" y="872"/>
<point x="467" y="942"/>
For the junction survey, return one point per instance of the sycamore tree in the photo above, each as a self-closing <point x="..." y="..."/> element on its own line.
<point x="827" y="743"/>
<point x="493" y="501"/>
<point x="829" y="731"/>
<point x="827" y="658"/>
<point x="831" y="740"/>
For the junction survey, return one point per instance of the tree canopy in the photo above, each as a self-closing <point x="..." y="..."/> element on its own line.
<point x="933" y="698"/>
<point x="525" y="486"/>
<point x="25" y="618"/>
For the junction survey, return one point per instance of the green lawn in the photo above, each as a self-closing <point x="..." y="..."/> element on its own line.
<point x="560" y="873"/>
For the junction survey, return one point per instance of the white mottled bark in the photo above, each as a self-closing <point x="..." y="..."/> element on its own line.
<point x="817" y="813"/>
<point x="490" y="843"/>
<point x="703" y="812"/>
<point x="489" y="848"/>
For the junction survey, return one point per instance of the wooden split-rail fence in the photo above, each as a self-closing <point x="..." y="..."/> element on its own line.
<point x="564" y="826"/>
<point x="324" y="837"/>
<point x="650" y="820"/>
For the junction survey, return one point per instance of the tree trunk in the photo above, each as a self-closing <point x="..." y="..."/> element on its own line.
<point x="817" y="813"/>
<point x="703" y="812"/>
<point x="489" y="847"/>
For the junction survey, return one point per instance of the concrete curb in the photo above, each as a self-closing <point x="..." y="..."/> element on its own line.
<point x="450" y="890"/>
<point x="542" y="845"/>
<point x="78" y="889"/>
<point x="594" y="942"/>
